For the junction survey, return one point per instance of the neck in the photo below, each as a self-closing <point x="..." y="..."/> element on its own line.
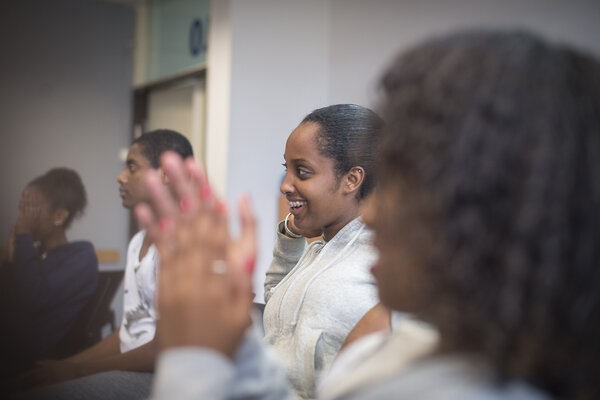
<point x="57" y="238"/>
<point x="330" y="231"/>
<point x="145" y="246"/>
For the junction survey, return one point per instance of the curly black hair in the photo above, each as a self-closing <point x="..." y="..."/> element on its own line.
<point x="348" y="134"/>
<point x="498" y="136"/>
<point x="63" y="189"/>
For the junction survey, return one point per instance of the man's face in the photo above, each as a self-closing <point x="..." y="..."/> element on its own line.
<point x="131" y="185"/>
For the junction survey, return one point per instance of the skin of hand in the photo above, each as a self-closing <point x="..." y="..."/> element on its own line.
<point x="29" y="212"/>
<point x="199" y="304"/>
<point x="10" y="247"/>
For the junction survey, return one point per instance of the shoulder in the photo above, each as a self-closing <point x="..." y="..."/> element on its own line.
<point x="135" y="244"/>
<point x="362" y="249"/>
<point x="459" y="377"/>
<point x="138" y="238"/>
<point x="82" y="249"/>
<point x="85" y="253"/>
<point x="82" y="246"/>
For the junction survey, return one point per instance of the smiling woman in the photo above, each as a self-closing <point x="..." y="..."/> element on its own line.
<point x="315" y="294"/>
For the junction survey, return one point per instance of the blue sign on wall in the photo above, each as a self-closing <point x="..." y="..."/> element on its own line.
<point x="177" y="36"/>
<point x="197" y="37"/>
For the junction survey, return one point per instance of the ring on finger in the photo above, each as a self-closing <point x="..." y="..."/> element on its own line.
<point x="219" y="267"/>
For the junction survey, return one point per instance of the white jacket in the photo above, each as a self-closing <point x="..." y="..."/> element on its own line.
<point x="314" y="297"/>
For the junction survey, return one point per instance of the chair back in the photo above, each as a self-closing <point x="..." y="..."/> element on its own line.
<point x="97" y="314"/>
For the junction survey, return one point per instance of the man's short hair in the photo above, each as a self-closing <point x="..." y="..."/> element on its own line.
<point x="154" y="143"/>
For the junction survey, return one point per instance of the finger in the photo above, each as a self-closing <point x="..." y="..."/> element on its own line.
<point x="211" y="240"/>
<point x="179" y="180"/>
<point x="220" y="230"/>
<point x="23" y="199"/>
<point x="162" y="202"/>
<point x="240" y="286"/>
<point x="159" y="219"/>
<point x="242" y="259"/>
<point x="204" y="191"/>
<point x="248" y="240"/>
<point x="31" y="202"/>
<point x="147" y="220"/>
<point x="197" y="173"/>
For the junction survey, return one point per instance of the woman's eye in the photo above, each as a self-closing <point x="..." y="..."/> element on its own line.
<point x="284" y="166"/>
<point x="303" y="172"/>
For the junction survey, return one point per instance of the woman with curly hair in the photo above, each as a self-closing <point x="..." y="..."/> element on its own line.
<point x="486" y="221"/>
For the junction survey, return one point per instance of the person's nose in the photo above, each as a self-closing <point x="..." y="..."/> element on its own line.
<point x="121" y="178"/>
<point x="287" y="185"/>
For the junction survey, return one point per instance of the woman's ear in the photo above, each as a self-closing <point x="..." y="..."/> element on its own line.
<point x="354" y="179"/>
<point x="60" y="216"/>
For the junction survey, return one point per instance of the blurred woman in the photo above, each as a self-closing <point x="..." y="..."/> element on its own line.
<point x="47" y="280"/>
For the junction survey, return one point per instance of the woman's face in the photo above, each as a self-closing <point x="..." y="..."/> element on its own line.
<point x="314" y="193"/>
<point x="402" y="242"/>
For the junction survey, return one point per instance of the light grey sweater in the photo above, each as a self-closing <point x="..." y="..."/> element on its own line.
<point x="314" y="297"/>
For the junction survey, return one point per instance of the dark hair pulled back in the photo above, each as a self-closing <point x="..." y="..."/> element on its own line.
<point x="63" y="189"/>
<point x="348" y="134"/>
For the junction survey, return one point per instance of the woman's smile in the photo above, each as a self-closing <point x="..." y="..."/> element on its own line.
<point x="296" y="206"/>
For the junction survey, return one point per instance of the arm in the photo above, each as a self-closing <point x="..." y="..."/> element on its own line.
<point x="107" y="347"/>
<point x="27" y="276"/>
<point x="375" y="320"/>
<point x="140" y="359"/>
<point x="104" y="356"/>
<point x="10" y="248"/>
<point x="286" y="254"/>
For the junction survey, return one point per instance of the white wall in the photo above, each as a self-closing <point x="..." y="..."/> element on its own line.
<point x="289" y="57"/>
<point x="278" y="74"/>
<point x="65" y="100"/>
<point x="365" y="35"/>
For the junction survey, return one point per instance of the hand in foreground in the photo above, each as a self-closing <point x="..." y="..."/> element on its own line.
<point x="204" y="288"/>
<point x="29" y="212"/>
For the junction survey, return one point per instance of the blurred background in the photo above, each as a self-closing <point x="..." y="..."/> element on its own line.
<point x="79" y="79"/>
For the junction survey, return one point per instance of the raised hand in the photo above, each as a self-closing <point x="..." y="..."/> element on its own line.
<point x="204" y="289"/>
<point x="29" y="211"/>
<point x="10" y="247"/>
